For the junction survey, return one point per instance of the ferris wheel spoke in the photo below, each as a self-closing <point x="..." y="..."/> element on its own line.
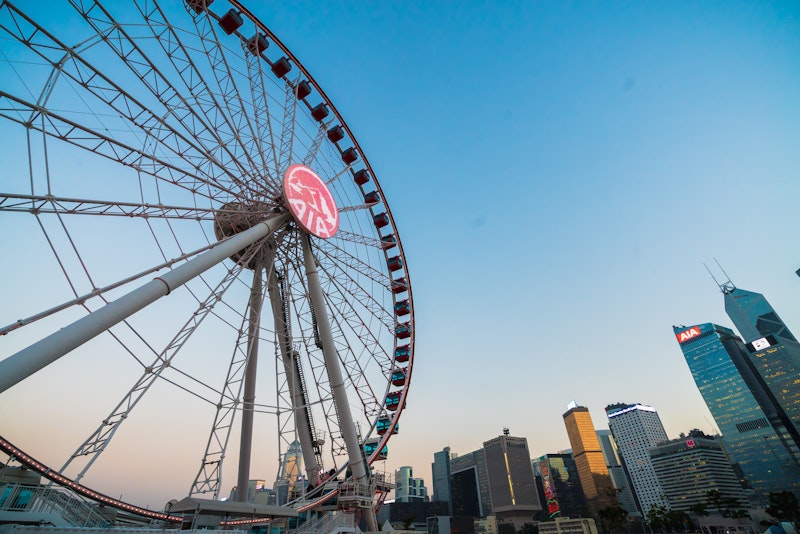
<point x="355" y="372"/>
<point x="344" y="260"/>
<point x="360" y="320"/>
<point x="235" y="113"/>
<point x="287" y="129"/>
<point x="96" y="84"/>
<point x="192" y="118"/>
<point x="80" y="136"/>
<point x="41" y="204"/>
<point x="361" y="239"/>
<point x="225" y="141"/>
<point x="263" y="123"/>
<point x="349" y="320"/>
<point x="91" y="449"/>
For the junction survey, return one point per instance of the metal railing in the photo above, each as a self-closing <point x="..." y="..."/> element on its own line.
<point x="327" y="523"/>
<point x="50" y="500"/>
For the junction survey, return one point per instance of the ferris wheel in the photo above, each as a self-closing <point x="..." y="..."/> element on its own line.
<point x="191" y="229"/>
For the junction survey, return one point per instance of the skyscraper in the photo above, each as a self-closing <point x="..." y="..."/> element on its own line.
<point x="511" y="482"/>
<point x="469" y="490"/>
<point x="773" y="351"/>
<point x="689" y="467"/>
<point x="562" y="486"/>
<point x="754" y="432"/>
<point x="289" y="473"/>
<point x="592" y="470"/>
<point x="440" y="469"/>
<point x="637" y="428"/>
<point x="618" y="477"/>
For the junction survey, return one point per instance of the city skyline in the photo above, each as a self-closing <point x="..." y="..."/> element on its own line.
<point x="558" y="174"/>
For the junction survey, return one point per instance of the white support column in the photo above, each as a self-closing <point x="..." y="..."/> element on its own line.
<point x="329" y="353"/>
<point x="249" y="396"/>
<point x="26" y="362"/>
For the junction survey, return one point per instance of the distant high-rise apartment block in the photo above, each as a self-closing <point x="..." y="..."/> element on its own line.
<point x="636" y="429"/>
<point x="689" y="467"/>
<point x="592" y="468"/>
<point x="440" y="470"/>
<point x="407" y="487"/>
<point x="756" y="431"/>
<point x="563" y="493"/>
<point x="618" y="476"/>
<point x="511" y="483"/>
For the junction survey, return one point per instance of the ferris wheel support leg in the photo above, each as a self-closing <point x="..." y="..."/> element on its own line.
<point x="354" y="453"/>
<point x="26" y="362"/>
<point x="302" y="423"/>
<point x="249" y="397"/>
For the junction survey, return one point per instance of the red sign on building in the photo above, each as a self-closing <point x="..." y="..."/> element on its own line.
<point x="686" y="335"/>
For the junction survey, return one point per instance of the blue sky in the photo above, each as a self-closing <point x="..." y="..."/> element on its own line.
<point x="559" y="172"/>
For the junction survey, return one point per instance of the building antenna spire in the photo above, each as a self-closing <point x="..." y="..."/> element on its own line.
<point x="727" y="285"/>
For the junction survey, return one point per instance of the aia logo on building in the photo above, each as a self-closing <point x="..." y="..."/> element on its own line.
<point x="686" y="335"/>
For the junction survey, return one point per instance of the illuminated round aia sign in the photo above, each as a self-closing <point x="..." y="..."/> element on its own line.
<point x="310" y="201"/>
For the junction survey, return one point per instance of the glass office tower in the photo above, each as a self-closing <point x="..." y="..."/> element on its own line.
<point x="772" y="350"/>
<point x="440" y="470"/>
<point x="753" y="429"/>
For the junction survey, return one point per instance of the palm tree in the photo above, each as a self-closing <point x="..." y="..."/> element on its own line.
<point x="783" y="506"/>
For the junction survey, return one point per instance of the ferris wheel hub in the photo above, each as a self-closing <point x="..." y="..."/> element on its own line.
<point x="235" y="217"/>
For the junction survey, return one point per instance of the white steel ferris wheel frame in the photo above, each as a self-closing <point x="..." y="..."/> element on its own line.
<point x="209" y="133"/>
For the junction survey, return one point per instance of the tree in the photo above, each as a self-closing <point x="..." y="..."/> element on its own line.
<point x="783" y="506"/>
<point x="699" y="509"/>
<point x="714" y="500"/>
<point x="613" y="517"/>
<point x="657" y="518"/>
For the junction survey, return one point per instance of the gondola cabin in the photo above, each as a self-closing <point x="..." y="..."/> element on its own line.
<point x="402" y="307"/>
<point x="382" y="427"/>
<point x="372" y="197"/>
<point x="403" y="331"/>
<point x="401" y="354"/>
<point x="393" y="400"/>
<point x="399" y="285"/>
<point x="361" y="177"/>
<point x="395" y="263"/>
<point x="398" y="377"/>
<point x="371" y="445"/>
<point x="388" y="241"/>
<point x="380" y="220"/>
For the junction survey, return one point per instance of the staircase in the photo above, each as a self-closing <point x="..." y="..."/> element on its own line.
<point x="28" y="502"/>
